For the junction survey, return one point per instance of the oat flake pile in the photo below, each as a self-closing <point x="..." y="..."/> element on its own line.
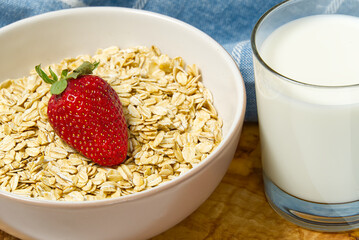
<point x="171" y="121"/>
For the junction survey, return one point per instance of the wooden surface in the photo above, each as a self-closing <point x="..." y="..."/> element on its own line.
<point x="238" y="208"/>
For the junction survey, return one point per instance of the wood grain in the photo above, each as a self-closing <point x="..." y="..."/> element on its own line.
<point x="238" y="209"/>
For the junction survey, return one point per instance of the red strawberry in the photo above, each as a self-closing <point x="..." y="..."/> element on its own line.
<point x="86" y="112"/>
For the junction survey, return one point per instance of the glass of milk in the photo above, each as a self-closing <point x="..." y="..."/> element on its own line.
<point x="306" y="64"/>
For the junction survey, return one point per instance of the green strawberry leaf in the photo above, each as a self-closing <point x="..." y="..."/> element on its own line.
<point x="64" y="73"/>
<point x="95" y="64"/>
<point x="53" y="75"/>
<point x="58" y="87"/>
<point x="43" y="75"/>
<point x="86" y="68"/>
<point x="72" y="75"/>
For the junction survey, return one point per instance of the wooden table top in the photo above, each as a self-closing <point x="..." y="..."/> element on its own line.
<point x="238" y="209"/>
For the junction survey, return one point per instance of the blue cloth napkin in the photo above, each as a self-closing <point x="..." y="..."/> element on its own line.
<point x="229" y="22"/>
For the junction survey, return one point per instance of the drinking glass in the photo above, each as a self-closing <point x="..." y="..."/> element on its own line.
<point x="309" y="133"/>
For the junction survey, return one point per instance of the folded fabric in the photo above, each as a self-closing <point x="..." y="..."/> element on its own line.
<point x="229" y="22"/>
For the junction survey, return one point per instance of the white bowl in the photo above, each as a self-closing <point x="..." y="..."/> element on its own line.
<point x="50" y="37"/>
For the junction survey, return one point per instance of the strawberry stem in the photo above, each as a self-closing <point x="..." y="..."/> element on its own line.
<point x="58" y="86"/>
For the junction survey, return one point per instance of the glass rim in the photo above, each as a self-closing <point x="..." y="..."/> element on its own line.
<point x="265" y="65"/>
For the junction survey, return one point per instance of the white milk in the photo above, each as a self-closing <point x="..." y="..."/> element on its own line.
<point x="310" y="135"/>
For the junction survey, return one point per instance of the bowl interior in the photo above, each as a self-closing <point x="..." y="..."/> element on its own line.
<point x="49" y="38"/>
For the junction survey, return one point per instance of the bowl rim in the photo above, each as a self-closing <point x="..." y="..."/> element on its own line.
<point x="234" y="128"/>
